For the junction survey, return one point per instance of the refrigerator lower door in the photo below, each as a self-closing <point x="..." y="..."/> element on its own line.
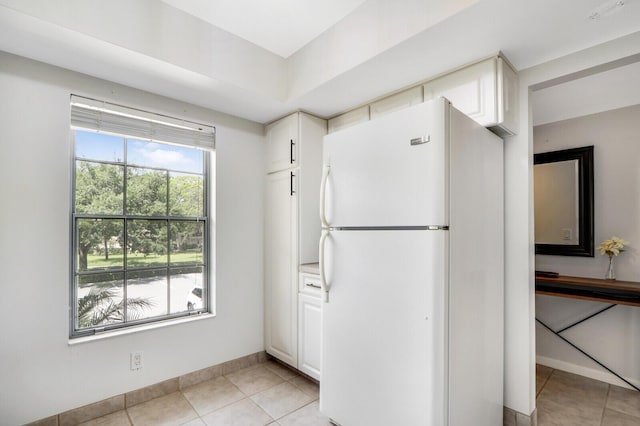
<point x="383" y="328"/>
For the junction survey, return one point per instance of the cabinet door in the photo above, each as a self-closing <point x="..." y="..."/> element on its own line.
<point x="310" y="335"/>
<point x="472" y="90"/>
<point x="281" y="267"/>
<point x="282" y="144"/>
<point x="348" y="119"/>
<point x="396" y="102"/>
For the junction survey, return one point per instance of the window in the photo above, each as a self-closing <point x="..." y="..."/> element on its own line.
<point x="139" y="217"/>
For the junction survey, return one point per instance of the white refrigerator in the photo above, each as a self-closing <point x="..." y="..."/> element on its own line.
<point x="411" y="259"/>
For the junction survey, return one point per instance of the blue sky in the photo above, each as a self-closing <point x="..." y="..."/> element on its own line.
<point x="104" y="147"/>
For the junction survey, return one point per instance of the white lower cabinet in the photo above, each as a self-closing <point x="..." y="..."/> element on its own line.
<point x="309" y="327"/>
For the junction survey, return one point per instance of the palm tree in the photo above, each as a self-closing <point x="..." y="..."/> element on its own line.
<point x="97" y="307"/>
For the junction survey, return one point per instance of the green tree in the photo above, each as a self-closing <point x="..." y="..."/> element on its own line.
<point x="99" y="190"/>
<point x="146" y="237"/>
<point x="91" y="233"/>
<point x="186" y="200"/>
<point x="146" y="192"/>
<point x="186" y="195"/>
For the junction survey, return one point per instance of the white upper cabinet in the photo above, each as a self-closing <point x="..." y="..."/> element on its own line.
<point x="282" y="144"/>
<point x="348" y="119"/>
<point x="485" y="91"/>
<point x="395" y="102"/>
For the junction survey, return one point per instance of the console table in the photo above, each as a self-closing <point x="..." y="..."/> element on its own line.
<point x="612" y="292"/>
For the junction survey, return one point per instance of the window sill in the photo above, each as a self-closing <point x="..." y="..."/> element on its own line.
<point x="140" y="328"/>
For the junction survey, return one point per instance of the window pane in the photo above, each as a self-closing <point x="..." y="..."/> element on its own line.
<point x="187" y="292"/>
<point x="146" y="294"/>
<point x="147" y="242"/>
<point x="99" y="146"/>
<point x="186" y="195"/>
<point x="98" y="188"/>
<point x="164" y="156"/>
<point x="99" y="244"/>
<point x="139" y="228"/>
<point x="99" y="299"/>
<point x="187" y="241"/>
<point x="146" y="192"/>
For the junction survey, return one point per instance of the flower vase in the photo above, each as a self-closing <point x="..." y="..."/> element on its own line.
<point x="611" y="273"/>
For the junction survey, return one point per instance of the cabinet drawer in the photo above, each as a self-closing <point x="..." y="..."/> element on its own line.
<point x="310" y="284"/>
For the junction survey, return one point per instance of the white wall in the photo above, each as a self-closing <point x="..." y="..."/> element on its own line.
<point x="614" y="337"/>
<point x="41" y="374"/>
<point x="520" y="354"/>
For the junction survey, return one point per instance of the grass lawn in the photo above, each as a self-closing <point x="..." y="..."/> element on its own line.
<point x="116" y="260"/>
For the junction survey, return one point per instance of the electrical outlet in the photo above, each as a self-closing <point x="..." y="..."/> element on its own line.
<point x="136" y="360"/>
<point x="566" y="234"/>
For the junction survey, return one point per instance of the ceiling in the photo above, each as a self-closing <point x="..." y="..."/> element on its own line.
<point x="261" y="59"/>
<point x="279" y="26"/>
<point x="607" y="90"/>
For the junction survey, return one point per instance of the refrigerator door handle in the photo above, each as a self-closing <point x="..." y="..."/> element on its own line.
<point x="323" y="195"/>
<point x="323" y="277"/>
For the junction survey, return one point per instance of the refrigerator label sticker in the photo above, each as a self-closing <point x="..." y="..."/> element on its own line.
<point x="420" y="140"/>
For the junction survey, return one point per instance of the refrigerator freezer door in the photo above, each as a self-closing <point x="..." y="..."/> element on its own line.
<point x="391" y="171"/>
<point x="383" y="355"/>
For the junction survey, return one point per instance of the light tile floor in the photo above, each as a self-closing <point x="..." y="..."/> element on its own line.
<point x="565" y="399"/>
<point x="264" y="394"/>
<point x="270" y="394"/>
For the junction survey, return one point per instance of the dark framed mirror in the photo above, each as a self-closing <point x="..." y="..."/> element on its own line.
<point x="563" y="202"/>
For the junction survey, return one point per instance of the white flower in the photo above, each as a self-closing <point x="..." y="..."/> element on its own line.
<point x="613" y="246"/>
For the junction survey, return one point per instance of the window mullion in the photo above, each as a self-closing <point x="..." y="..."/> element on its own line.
<point x="125" y="283"/>
<point x="125" y="238"/>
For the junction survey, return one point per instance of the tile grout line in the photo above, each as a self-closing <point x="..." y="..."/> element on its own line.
<point x="226" y="405"/>
<point x="604" y="408"/>
<point x="248" y="397"/>
<point x="546" y="380"/>
<point x="191" y="405"/>
<point x="126" y="412"/>
<point x="299" y="408"/>
<point x="302" y="390"/>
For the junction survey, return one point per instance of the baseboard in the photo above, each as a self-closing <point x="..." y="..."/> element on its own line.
<point x="591" y="373"/>
<point x="129" y="399"/>
<point x="515" y="418"/>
